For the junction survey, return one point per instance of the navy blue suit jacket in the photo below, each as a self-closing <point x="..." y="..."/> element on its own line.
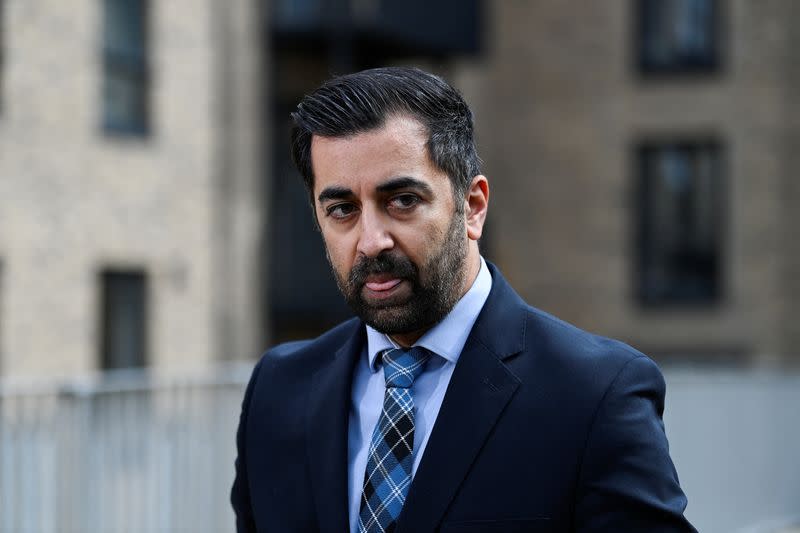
<point x="544" y="427"/>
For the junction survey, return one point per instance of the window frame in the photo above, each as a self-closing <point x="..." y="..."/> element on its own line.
<point x="696" y="144"/>
<point x="133" y="65"/>
<point x="105" y="360"/>
<point x="647" y="68"/>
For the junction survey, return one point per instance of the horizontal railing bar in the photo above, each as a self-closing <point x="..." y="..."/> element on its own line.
<point x="126" y="381"/>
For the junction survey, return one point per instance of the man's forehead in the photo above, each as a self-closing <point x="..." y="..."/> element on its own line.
<point x="396" y="149"/>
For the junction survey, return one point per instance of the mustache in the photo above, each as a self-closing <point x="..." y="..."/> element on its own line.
<point x="384" y="263"/>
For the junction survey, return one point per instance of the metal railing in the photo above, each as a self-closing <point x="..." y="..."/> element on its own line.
<point x="136" y="453"/>
<point x="124" y="453"/>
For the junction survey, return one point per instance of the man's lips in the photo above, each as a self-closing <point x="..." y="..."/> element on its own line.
<point x="383" y="285"/>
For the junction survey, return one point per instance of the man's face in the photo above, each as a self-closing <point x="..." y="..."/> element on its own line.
<point x="392" y="234"/>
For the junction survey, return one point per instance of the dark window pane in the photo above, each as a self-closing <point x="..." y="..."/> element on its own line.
<point x="124" y="319"/>
<point x="124" y="27"/>
<point x="678" y="35"/>
<point x="125" y="72"/>
<point x="303" y="297"/>
<point x="679" y="223"/>
<point x="398" y="27"/>
<point x="297" y="13"/>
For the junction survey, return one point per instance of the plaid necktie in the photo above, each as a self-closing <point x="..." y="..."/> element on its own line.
<point x="388" y="473"/>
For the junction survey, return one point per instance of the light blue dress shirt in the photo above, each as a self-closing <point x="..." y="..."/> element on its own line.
<point x="446" y="340"/>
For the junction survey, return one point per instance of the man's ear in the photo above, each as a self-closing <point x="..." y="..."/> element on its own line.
<point x="476" y="205"/>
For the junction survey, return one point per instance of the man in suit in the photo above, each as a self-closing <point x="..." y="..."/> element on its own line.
<point x="448" y="404"/>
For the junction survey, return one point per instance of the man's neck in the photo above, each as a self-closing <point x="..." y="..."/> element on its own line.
<point x="407" y="340"/>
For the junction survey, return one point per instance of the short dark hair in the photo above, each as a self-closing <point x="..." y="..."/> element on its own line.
<point x="359" y="102"/>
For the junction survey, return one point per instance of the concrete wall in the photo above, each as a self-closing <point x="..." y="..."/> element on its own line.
<point x="734" y="437"/>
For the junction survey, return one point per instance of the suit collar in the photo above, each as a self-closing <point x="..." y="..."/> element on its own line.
<point x="501" y="324"/>
<point x="326" y="430"/>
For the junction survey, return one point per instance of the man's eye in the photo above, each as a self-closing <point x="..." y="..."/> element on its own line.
<point x="340" y="210"/>
<point x="404" y="201"/>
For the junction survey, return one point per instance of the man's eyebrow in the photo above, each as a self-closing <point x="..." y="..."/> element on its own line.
<point x="334" y="193"/>
<point x="404" y="182"/>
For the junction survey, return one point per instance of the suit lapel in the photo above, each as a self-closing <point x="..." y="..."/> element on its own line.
<point x="479" y="390"/>
<point x="327" y="430"/>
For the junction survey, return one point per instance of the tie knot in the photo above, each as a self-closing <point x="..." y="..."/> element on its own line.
<point x="402" y="367"/>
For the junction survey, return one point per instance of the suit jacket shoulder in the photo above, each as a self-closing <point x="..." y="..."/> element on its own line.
<point x="579" y="446"/>
<point x="300" y="359"/>
<point x="273" y="422"/>
<point x="588" y="361"/>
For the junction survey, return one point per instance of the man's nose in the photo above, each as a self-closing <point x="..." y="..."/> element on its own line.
<point x="375" y="236"/>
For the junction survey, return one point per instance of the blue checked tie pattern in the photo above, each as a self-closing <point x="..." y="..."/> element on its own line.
<point x="388" y="473"/>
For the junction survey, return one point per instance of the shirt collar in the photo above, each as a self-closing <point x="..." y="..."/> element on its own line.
<point x="447" y="338"/>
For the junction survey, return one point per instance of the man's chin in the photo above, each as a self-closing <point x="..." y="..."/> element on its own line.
<point x="389" y="319"/>
<point x="393" y="328"/>
<point x="382" y="311"/>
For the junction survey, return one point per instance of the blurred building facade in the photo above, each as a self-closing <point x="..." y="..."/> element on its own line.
<point x="641" y="155"/>
<point x="646" y="169"/>
<point x="128" y="134"/>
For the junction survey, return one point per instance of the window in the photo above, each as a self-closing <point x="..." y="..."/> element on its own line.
<point x="679" y="223"/>
<point x="125" y="68"/>
<point x="678" y="36"/>
<point x="124" y="319"/>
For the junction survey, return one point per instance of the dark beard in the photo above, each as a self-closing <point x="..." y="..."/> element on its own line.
<point x="434" y="290"/>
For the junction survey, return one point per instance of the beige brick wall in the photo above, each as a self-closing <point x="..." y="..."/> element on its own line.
<point x="559" y="108"/>
<point x="73" y="200"/>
